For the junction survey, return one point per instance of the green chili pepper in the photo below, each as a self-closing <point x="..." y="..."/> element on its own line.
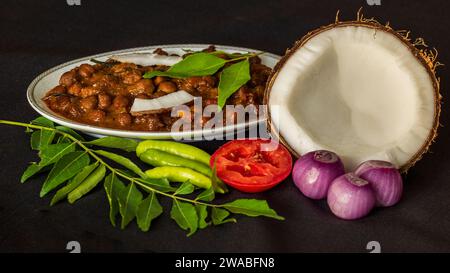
<point x="88" y="184"/>
<point x="180" y="174"/>
<point x="176" y="148"/>
<point x="159" y="158"/>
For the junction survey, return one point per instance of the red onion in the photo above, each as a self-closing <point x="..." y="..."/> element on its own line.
<point x="314" y="172"/>
<point x="385" y="180"/>
<point x="350" y="197"/>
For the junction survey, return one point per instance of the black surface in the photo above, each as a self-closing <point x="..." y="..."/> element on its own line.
<point x="37" y="35"/>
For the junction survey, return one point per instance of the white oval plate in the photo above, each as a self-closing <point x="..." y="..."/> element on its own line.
<point x="50" y="78"/>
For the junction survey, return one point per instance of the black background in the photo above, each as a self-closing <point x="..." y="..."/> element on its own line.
<point x="37" y="35"/>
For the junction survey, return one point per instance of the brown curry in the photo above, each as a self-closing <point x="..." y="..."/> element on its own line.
<point x="102" y="94"/>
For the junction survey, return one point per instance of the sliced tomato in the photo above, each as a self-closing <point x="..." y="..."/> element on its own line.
<point x="252" y="165"/>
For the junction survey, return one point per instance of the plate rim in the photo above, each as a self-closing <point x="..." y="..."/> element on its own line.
<point x="129" y="133"/>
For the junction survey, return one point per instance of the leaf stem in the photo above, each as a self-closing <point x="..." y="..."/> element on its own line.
<point x="237" y="59"/>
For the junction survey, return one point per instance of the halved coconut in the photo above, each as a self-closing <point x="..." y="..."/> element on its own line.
<point x="359" y="89"/>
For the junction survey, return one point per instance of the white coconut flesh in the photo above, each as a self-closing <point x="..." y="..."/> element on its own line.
<point x="357" y="91"/>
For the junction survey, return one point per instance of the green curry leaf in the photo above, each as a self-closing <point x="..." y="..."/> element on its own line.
<point x="202" y="212"/>
<point x="127" y="163"/>
<point x="185" y="215"/>
<point x="219" y="216"/>
<point x="42" y="121"/>
<point x="185" y="188"/>
<point x="148" y="210"/>
<point x="88" y="184"/>
<point x="197" y="64"/>
<point x="206" y="195"/>
<point x="67" y="167"/>
<point x="252" y="207"/>
<point x="41" y="139"/>
<point x="113" y="187"/>
<point x="231" y="79"/>
<point x="69" y="131"/>
<point x="75" y="182"/>
<point x="129" y="200"/>
<point x="125" y="144"/>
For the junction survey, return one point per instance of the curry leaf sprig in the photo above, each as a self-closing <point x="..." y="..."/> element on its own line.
<point x="232" y="77"/>
<point x="76" y="168"/>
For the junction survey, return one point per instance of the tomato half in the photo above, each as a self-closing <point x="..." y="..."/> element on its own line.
<point x="252" y="165"/>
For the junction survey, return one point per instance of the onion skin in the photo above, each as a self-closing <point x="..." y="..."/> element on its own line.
<point x="314" y="172"/>
<point x="385" y="180"/>
<point x="350" y="197"/>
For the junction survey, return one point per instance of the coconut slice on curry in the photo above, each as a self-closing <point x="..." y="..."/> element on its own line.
<point x="158" y="105"/>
